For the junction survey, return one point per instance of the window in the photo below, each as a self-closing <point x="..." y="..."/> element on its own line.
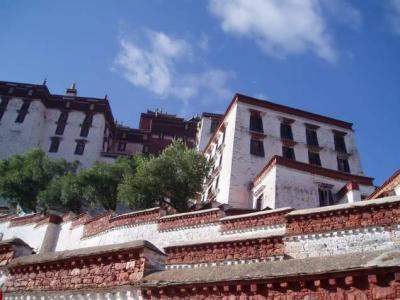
<point x="220" y="160"/>
<point x="217" y="182"/>
<point x="314" y="158"/>
<point x="325" y="196"/>
<point x="62" y="121"/>
<point x="22" y="112"/>
<point x="3" y="106"/>
<point x="121" y="146"/>
<point x="63" y="117"/>
<point x="87" y="123"/>
<point x="259" y="202"/>
<point x="257" y="147"/>
<point x="288" y="152"/>
<point x="85" y="130"/>
<point x="54" y="144"/>
<point x="286" y="131"/>
<point x="223" y="137"/>
<point x="80" y="147"/>
<point x="311" y="136"/>
<point x="340" y="145"/>
<point x="343" y="165"/>
<point x="256" y="123"/>
<point x="214" y="125"/>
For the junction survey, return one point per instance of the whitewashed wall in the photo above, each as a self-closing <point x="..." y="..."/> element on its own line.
<point x="40" y="125"/>
<point x="342" y="242"/>
<point x="125" y="293"/>
<point x="69" y="238"/>
<point x="19" y="137"/>
<point x="299" y="189"/>
<point x="30" y="233"/>
<point x="226" y="166"/>
<point x="246" y="166"/>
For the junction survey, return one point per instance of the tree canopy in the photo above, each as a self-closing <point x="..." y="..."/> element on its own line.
<point x="33" y="181"/>
<point x="23" y="177"/>
<point x="175" y="177"/>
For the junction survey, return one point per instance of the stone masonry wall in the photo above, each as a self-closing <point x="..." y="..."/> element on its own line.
<point x="344" y="286"/>
<point x="112" y="269"/>
<point x="256" y="248"/>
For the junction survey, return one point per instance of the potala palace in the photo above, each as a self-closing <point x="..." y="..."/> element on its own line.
<point x="287" y="213"/>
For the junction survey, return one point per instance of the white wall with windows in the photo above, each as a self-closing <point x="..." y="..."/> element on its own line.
<point x="254" y="134"/>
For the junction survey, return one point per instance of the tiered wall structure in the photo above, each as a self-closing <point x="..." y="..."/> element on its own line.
<point x="340" y="252"/>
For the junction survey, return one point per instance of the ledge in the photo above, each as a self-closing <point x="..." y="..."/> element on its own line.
<point x="370" y="213"/>
<point x="80" y="253"/>
<point x="326" y="209"/>
<point x="290" y="269"/>
<point x="200" y="217"/>
<point x="312" y="169"/>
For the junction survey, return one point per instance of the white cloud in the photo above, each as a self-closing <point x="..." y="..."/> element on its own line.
<point x="153" y="64"/>
<point x="394" y="14"/>
<point x="280" y="27"/>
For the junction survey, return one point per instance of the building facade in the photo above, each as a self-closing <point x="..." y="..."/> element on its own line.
<point x="80" y="128"/>
<point x="318" y="157"/>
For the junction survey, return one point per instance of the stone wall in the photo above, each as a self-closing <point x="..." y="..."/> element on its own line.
<point x="362" y="226"/>
<point x="359" y="227"/>
<point x="226" y="251"/>
<point x="93" y="268"/>
<point x="341" y="286"/>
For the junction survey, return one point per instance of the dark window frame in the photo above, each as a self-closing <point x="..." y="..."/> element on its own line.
<point x="340" y="143"/>
<point x="343" y="165"/>
<point x="288" y="152"/>
<point x="23" y="111"/>
<point x="54" y="144"/>
<point x="259" y="202"/>
<point x="3" y="106"/>
<point x="314" y="158"/>
<point x="257" y="147"/>
<point x="256" y="122"/>
<point x="286" y="131"/>
<point x="312" y="137"/>
<point x="214" y="125"/>
<point x="325" y="197"/>
<point x="80" y="147"/>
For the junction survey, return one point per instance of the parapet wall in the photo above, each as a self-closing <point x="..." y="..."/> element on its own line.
<point x="362" y="226"/>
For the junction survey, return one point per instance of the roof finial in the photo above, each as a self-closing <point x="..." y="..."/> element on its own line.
<point x="105" y="97"/>
<point x="72" y="91"/>
<point x="44" y="81"/>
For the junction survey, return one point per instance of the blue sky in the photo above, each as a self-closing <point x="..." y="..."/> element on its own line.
<point x="334" y="57"/>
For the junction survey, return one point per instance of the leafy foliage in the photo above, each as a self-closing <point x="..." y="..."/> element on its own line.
<point x="34" y="181"/>
<point x="23" y="177"/>
<point x="175" y="176"/>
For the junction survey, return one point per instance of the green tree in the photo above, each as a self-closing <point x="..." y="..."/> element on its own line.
<point x="100" y="182"/>
<point x="63" y="193"/>
<point x="95" y="187"/>
<point x="23" y="177"/>
<point x="174" y="177"/>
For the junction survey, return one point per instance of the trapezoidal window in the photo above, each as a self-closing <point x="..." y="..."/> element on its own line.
<point x="23" y="111"/>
